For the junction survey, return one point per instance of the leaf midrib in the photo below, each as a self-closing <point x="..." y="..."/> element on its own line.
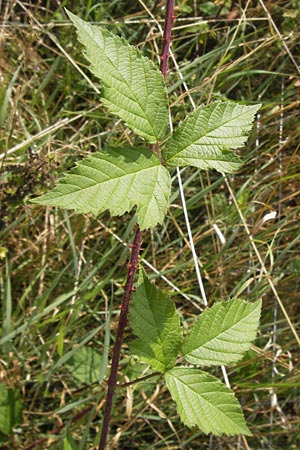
<point x="219" y="335"/>
<point x="194" y="141"/>
<point x="124" y="81"/>
<point x="135" y="173"/>
<point x="197" y="394"/>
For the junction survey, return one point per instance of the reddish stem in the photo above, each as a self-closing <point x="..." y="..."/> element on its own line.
<point x="167" y="38"/>
<point x="134" y="258"/>
<point x="112" y="381"/>
<point x="118" y="344"/>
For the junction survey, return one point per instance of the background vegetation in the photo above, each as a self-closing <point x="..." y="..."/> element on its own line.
<point x="62" y="274"/>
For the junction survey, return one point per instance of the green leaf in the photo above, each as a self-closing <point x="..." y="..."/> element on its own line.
<point x="155" y="321"/>
<point x="207" y="136"/>
<point x="69" y="443"/>
<point x="223" y="333"/>
<point x="84" y="365"/>
<point x="116" y="179"/>
<point x="133" y="87"/>
<point x="204" y="401"/>
<point x="11" y="407"/>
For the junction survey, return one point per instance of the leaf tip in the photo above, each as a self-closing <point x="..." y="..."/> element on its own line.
<point x="71" y="16"/>
<point x="37" y="200"/>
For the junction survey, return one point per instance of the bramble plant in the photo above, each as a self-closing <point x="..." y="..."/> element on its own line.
<point x="119" y="179"/>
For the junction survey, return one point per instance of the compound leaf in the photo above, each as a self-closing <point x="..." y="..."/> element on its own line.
<point x="223" y="333"/>
<point x="204" y="401"/>
<point x="116" y="179"/>
<point x="133" y="87"/>
<point x="155" y="321"/>
<point x="207" y="136"/>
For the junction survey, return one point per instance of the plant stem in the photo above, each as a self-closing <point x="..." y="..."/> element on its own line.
<point x="134" y="258"/>
<point x="167" y="38"/>
<point x="136" y="245"/>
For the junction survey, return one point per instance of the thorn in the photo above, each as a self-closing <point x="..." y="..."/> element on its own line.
<point x="133" y="289"/>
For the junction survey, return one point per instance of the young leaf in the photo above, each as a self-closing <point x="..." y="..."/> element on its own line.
<point x="116" y="179"/>
<point x="207" y="136"/>
<point x="223" y="333"/>
<point x="204" y="401"/>
<point x="155" y="321"/>
<point x="133" y="87"/>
